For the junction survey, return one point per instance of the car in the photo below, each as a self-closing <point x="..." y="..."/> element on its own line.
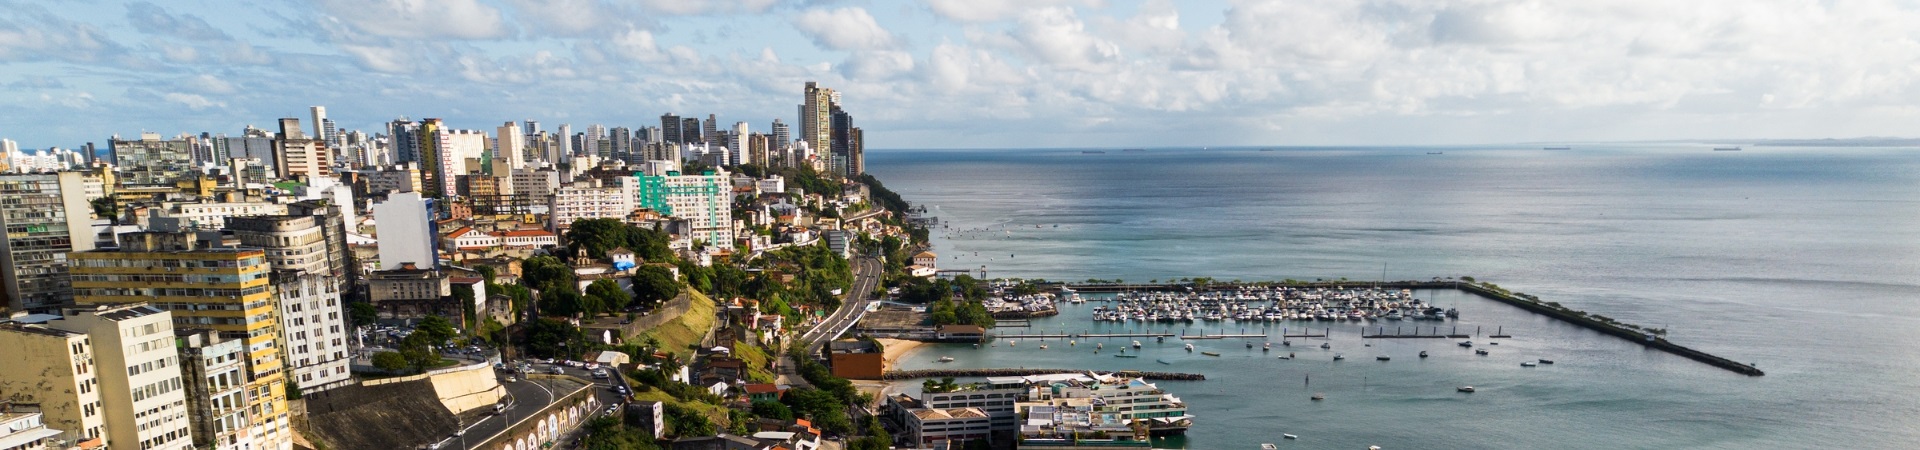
<point x="621" y="389"/>
<point x="599" y="374"/>
<point x="558" y="371"/>
<point x="511" y="379"/>
<point x="593" y="366"/>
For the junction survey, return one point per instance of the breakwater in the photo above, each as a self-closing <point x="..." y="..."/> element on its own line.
<point x="941" y="373"/>
<point x="1603" y="324"/>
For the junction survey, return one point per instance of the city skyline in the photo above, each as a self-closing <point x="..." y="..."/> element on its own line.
<point x="948" y="73"/>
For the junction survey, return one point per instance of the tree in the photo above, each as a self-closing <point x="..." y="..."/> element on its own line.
<point x="687" y="422"/>
<point x="561" y="302"/>
<point x="390" y="361"/>
<point x="609" y="294"/>
<point x="550" y="338"/>
<point x="772" y="410"/>
<point x="436" y="330"/>
<point x="654" y="284"/>
<point x="362" y="314"/>
<point x="488" y="273"/>
<point x="418" y="351"/>
<point x="463" y="293"/>
<point x="596" y="236"/>
<point x="546" y="273"/>
<point x="608" y="433"/>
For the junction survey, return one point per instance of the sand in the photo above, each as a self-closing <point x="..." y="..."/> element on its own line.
<point x="896" y="349"/>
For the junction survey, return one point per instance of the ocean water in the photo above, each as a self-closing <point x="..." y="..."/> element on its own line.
<point x="1805" y="261"/>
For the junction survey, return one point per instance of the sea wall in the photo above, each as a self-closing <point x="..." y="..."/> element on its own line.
<point x="941" y="373"/>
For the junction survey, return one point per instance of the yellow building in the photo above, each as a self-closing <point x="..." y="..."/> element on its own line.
<point x="225" y="290"/>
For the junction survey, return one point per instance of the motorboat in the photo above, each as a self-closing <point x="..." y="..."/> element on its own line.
<point x="1210" y="353"/>
<point x="1423" y="353"/>
<point x="1383" y="358"/>
<point x="1126" y="356"/>
<point x="1338" y="357"/>
<point x="1319" y="397"/>
<point x="1466" y="343"/>
<point x="1286" y="343"/>
<point x="1289" y="436"/>
<point x="1466" y="389"/>
<point x="1481" y="352"/>
<point x="1249" y="345"/>
<point x="1529" y="364"/>
<point x="1266" y="347"/>
<point x="1326" y="346"/>
<point x="1136" y="344"/>
<point x="1546" y="361"/>
<point x="1043" y="346"/>
<point x="946" y="359"/>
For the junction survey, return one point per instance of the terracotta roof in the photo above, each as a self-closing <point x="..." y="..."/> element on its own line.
<point x="459" y="232"/>
<point x="761" y="388"/>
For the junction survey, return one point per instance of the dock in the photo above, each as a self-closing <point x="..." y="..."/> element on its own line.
<point x="1224" y="336"/>
<point x="1077" y="335"/>
<point x="943" y="373"/>
<point x="1401" y="333"/>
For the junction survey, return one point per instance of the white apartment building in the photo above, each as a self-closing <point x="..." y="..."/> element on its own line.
<point x="314" y="330"/>
<point x="705" y="201"/>
<point x="54" y="370"/>
<point x="213" y="216"/>
<point x="216" y="374"/>
<point x="139" y="373"/>
<point x="591" y="200"/>
<point x="26" y="431"/>
<point x="405" y="226"/>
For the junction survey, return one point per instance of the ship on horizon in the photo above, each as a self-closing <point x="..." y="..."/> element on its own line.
<point x="1726" y="149"/>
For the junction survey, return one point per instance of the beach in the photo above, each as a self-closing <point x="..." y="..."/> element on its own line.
<point x="895" y="349"/>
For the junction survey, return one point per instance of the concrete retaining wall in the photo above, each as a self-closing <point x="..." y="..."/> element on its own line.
<point x="549" y="424"/>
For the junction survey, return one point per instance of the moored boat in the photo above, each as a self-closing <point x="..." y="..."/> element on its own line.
<point x="946" y="359"/>
<point x="1467" y="389"/>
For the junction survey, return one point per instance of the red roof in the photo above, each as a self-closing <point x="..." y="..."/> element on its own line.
<point x="761" y="388"/>
<point x="459" y="232"/>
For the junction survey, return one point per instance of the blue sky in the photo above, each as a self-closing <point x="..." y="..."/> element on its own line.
<point x="979" y="73"/>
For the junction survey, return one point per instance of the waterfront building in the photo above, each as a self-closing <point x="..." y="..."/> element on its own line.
<point x="927" y="425"/>
<point x="46" y="215"/>
<point x="855" y="359"/>
<point x="222" y="289"/>
<point x="142" y="396"/>
<point x="406" y="229"/>
<point x="1130" y="399"/>
<point x="54" y="371"/>
<point x="705" y="201"/>
<point x="592" y="199"/>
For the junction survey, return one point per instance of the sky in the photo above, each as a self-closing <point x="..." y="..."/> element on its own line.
<point x="979" y="73"/>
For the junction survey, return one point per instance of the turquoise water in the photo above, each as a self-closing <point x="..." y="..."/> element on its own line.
<point x="1802" y="260"/>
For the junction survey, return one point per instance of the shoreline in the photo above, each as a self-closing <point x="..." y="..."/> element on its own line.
<point x="894" y="350"/>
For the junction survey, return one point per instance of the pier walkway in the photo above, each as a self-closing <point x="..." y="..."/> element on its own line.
<point x="1021" y="372"/>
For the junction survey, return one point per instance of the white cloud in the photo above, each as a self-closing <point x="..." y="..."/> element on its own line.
<point x="993" y="10"/>
<point x="843" y="29"/>
<point x="1055" y="36"/>
<point x="693" y="7"/>
<point x="193" y="101"/>
<point x="419" y="19"/>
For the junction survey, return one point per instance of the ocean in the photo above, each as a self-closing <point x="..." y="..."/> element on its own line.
<point x="1804" y="261"/>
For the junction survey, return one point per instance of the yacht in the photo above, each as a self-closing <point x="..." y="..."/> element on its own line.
<point x="1467" y="389"/>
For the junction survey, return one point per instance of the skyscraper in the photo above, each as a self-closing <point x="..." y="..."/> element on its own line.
<point x="319" y="122"/>
<point x="781" y="136"/>
<point x="591" y="142"/>
<point x="298" y="154"/>
<point x="816" y="116"/>
<point x="405" y="226"/>
<point x="621" y="143"/>
<point x="670" y="128"/>
<point x="403" y="136"/>
<point x="710" y="131"/>
<point x="841" y="142"/>
<point x="46" y="216"/>
<point x="737" y="143"/>
<point x="690" y="131"/>
<point x="564" y="142"/>
<point x="510" y="145"/>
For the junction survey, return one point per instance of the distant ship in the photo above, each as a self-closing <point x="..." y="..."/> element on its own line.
<point x="1436" y="153"/>
<point x="1726" y="149"/>
<point x="1134" y="150"/>
<point x="1092" y="152"/>
<point x="1557" y="148"/>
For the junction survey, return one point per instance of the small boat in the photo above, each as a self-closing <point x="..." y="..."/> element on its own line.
<point x="1466" y="343"/>
<point x="1423" y="353"/>
<point x="1286" y="343"/>
<point x="1160" y="339"/>
<point x="1546" y="361"/>
<point x="1289" y="436"/>
<point x="1326" y="345"/>
<point x="1528" y="364"/>
<point x="1162" y="361"/>
<point x="1467" y="389"/>
<point x="1383" y="358"/>
<point x="1043" y="346"/>
<point x="946" y="359"/>
<point x="1268" y="446"/>
<point x="1494" y="343"/>
<point x="1249" y="345"/>
<point x="1013" y="343"/>
<point x="1189" y="347"/>
<point x="976" y="345"/>
<point x="1481" y="352"/>
<point x="1287" y="357"/>
<point x="1126" y="356"/>
<point x="1136" y="344"/>
<point x="1266" y="347"/>
<point x="1073" y="343"/>
<point x="1319" y="397"/>
<point x="1338" y="357"/>
<point x="1210" y="353"/>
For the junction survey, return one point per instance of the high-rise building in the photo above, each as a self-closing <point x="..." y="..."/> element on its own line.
<point x="736" y="143"/>
<point x="841" y="142"/>
<point x="704" y="200"/>
<point x="319" y="122"/>
<point x="816" y="116"/>
<point x="690" y="131"/>
<point x="141" y="391"/>
<point x="215" y="370"/>
<point x="510" y="145"/>
<point x="54" y="369"/>
<point x="308" y="257"/>
<point x="405" y="227"/>
<point x="152" y="161"/>
<point x="781" y="136"/>
<point x="300" y="155"/>
<point x="563" y="143"/>
<point x="591" y="199"/>
<point x="46" y="215"/>
<point x="622" y="144"/>
<point x="670" y="128"/>
<point x="856" y="153"/>
<point x="434" y="165"/>
<point x="224" y="290"/>
<point x="403" y="140"/>
<point x="710" y="130"/>
<point x="756" y="150"/>
<point x="591" y="142"/>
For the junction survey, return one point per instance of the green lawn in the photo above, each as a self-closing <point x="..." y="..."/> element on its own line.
<point x="677" y="334"/>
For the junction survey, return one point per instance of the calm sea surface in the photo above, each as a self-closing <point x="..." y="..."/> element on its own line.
<point x="1805" y="261"/>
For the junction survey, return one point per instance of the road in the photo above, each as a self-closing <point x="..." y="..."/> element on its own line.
<point x="526" y="397"/>
<point x="866" y="276"/>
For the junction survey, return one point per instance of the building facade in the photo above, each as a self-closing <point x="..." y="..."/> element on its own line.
<point x="591" y="199"/>
<point x="141" y="390"/>
<point x="46" y="216"/>
<point x="54" y="370"/>
<point x="704" y="200"/>
<point x="407" y="231"/>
